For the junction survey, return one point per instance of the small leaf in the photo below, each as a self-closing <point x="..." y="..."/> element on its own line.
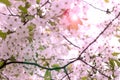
<point x="2" y="64"/>
<point x="12" y="58"/>
<point x="29" y="17"/>
<point x="115" y="53"/>
<point x="16" y="75"/>
<point x="39" y="12"/>
<point x="48" y="31"/>
<point x="31" y="27"/>
<point x="27" y="5"/>
<point x="118" y="63"/>
<point x="6" y="2"/>
<point x="31" y="73"/>
<point x="84" y="78"/>
<point x="46" y="63"/>
<point x="3" y="34"/>
<point x="37" y="1"/>
<point x="93" y="56"/>
<point x="30" y="39"/>
<point x="52" y="23"/>
<point x="41" y="47"/>
<point x="21" y="0"/>
<point x="69" y="67"/>
<point x="56" y="66"/>
<point x="47" y="75"/>
<point x="107" y="1"/>
<point x="37" y="55"/>
<point x="23" y="9"/>
<point x="112" y="63"/>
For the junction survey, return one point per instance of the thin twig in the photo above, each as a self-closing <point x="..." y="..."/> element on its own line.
<point x="95" y="68"/>
<point x="65" y="70"/>
<point x="45" y="3"/>
<point x="108" y="25"/>
<point x="70" y="42"/>
<point x="66" y="75"/>
<point x="94" y="6"/>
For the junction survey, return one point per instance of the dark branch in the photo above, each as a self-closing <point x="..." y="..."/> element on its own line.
<point x="30" y="63"/>
<point x="95" y="69"/>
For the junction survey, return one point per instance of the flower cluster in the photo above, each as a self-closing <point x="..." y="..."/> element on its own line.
<point x="59" y="40"/>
